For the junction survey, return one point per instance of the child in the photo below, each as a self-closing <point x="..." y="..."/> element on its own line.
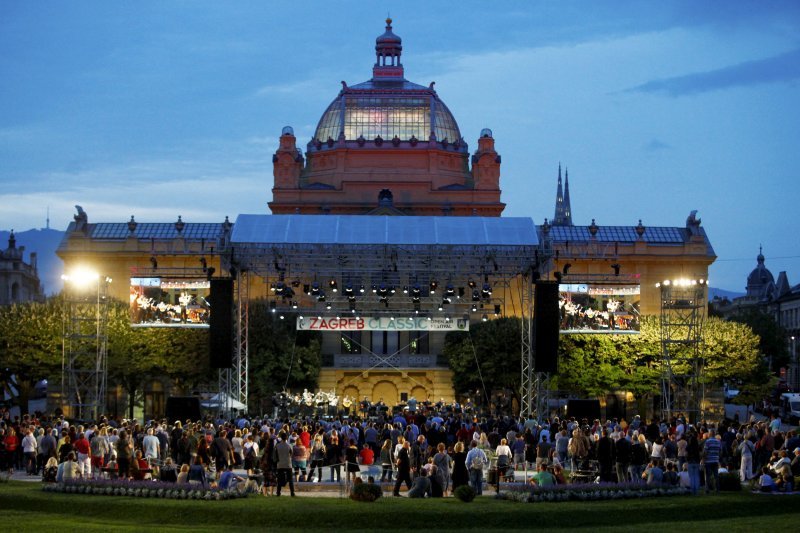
<point x="765" y="482"/>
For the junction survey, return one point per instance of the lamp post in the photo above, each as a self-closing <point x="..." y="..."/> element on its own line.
<point x="84" y="367"/>
<point x="795" y="368"/>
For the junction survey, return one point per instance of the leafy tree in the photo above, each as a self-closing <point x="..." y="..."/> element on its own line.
<point x="280" y="356"/>
<point x="496" y="345"/>
<point x="771" y="334"/>
<point x="30" y="345"/>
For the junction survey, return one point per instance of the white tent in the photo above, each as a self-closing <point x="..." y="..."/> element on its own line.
<point x="222" y="400"/>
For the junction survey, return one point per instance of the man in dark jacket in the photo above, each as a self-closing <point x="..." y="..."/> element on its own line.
<point x="622" y="453"/>
<point x="403" y="468"/>
<point x="605" y="457"/>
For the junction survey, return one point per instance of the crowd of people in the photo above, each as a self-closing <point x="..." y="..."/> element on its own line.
<point x="431" y="452"/>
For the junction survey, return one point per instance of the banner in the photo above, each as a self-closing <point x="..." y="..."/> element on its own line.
<point x="381" y="324"/>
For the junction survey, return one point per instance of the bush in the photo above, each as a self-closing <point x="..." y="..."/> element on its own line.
<point x="730" y="482"/>
<point x="464" y="493"/>
<point x="366" y="492"/>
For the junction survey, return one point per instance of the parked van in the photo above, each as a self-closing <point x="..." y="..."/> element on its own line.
<point x="790" y="407"/>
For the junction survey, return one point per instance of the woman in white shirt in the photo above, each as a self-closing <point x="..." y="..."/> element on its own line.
<point x="504" y="456"/>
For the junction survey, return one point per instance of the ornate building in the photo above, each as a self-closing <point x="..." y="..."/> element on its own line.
<point x="19" y="281"/>
<point x="388" y="146"/>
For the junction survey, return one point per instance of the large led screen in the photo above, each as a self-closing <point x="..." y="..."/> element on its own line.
<point x="599" y="308"/>
<point x="161" y="302"/>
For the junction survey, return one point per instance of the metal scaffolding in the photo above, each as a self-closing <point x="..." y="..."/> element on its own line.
<point x="683" y="310"/>
<point x="233" y="381"/>
<point x="85" y="349"/>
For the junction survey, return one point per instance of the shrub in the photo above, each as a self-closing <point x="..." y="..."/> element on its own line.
<point x="730" y="482"/>
<point x="464" y="493"/>
<point x="366" y="492"/>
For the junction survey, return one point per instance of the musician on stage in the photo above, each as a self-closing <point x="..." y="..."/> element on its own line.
<point x="365" y="405"/>
<point x="347" y="402"/>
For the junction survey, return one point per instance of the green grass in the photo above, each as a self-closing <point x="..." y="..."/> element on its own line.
<point x="28" y="508"/>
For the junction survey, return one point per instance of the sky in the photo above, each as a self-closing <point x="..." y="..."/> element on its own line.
<point x="165" y="108"/>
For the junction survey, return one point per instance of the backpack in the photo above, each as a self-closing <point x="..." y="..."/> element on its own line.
<point x="477" y="462"/>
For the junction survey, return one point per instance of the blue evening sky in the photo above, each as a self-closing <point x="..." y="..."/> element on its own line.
<point x="161" y="108"/>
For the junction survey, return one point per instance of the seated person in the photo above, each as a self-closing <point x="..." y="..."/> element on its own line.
<point x="50" y="471"/>
<point x="782" y="459"/>
<point x="111" y="468"/>
<point x="167" y="472"/>
<point x="229" y="480"/>
<point x="542" y="477"/>
<point x="654" y="474"/>
<point x="671" y="475"/>
<point x="140" y="467"/>
<point x="785" y="479"/>
<point x="558" y="473"/>
<point x="69" y="469"/>
<point x="765" y="482"/>
<point x="183" y="476"/>
<point x="197" y="472"/>
<point x="683" y="477"/>
<point x="421" y="486"/>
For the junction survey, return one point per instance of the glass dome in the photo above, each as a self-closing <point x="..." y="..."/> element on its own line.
<point x="387" y="116"/>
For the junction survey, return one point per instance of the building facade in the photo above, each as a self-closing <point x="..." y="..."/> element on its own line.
<point x="389" y="146"/>
<point x="19" y="281"/>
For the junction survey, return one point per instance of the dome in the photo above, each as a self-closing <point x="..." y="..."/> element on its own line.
<point x="760" y="278"/>
<point x="388" y="106"/>
<point x="388" y="110"/>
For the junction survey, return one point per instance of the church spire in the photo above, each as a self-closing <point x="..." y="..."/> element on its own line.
<point x="567" y="207"/>
<point x="563" y="216"/>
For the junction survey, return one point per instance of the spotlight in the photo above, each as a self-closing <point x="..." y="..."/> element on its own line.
<point x="497" y="309"/>
<point x="450" y="290"/>
<point x="476" y="296"/>
<point x="204" y="263"/>
<point x="566" y="268"/>
<point x="321" y="297"/>
<point x="484" y="318"/>
<point x="333" y="285"/>
<point x="447" y="318"/>
<point x="281" y="316"/>
<point x="294" y="305"/>
<point x="374" y="289"/>
<point x="471" y="283"/>
<point x="348" y="290"/>
<point x="405" y="289"/>
<point x="361" y="289"/>
<point x="272" y="306"/>
<point x="433" y="287"/>
<point x="440" y="308"/>
<point x="474" y="308"/>
<point x="327" y="305"/>
<point x="616" y="267"/>
<point x="154" y="262"/>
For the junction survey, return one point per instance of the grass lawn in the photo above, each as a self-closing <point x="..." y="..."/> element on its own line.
<point x="25" y="507"/>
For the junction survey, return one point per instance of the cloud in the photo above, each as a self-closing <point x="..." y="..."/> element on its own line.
<point x="655" y="145"/>
<point x="783" y="67"/>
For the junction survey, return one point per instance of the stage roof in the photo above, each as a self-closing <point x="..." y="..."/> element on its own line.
<point x="383" y="230"/>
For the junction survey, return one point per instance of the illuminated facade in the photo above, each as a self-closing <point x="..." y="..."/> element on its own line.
<point x="391" y="147"/>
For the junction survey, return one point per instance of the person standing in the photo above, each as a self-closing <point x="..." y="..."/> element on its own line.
<point x="81" y="446"/>
<point x="746" y="450"/>
<point x="283" y="452"/>
<point x="475" y="461"/>
<point x="711" y="452"/>
<point x="693" y="461"/>
<point x="403" y="468"/>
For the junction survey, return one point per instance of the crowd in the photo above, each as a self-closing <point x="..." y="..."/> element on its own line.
<point x="430" y="452"/>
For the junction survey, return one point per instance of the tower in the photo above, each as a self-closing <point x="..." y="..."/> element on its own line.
<point x="563" y="215"/>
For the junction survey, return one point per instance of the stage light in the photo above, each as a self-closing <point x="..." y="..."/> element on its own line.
<point x="484" y="318"/>
<point x="441" y="307"/>
<point x="450" y="290"/>
<point x="300" y="317"/>
<point x="405" y="289"/>
<point x="474" y="308"/>
<point x="321" y="297"/>
<point x="476" y="296"/>
<point x="272" y="306"/>
<point x="315" y="289"/>
<point x="374" y="289"/>
<point x="294" y="305"/>
<point x="361" y="289"/>
<point x="348" y="289"/>
<point x="281" y="316"/>
<point x="433" y="287"/>
<point x="307" y="289"/>
<point x="471" y="283"/>
<point x="272" y="287"/>
<point x="154" y="262"/>
<point x="616" y="267"/>
<point x="460" y="292"/>
<point x="566" y="268"/>
<point x="328" y="305"/>
<point x="486" y="292"/>
<point x="497" y="309"/>
<point x="81" y="277"/>
<point x="447" y="318"/>
<point x="333" y="285"/>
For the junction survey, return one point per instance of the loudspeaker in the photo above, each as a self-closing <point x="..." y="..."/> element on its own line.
<point x="221" y="327"/>
<point x="183" y="408"/>
<point x="546" y="321"/>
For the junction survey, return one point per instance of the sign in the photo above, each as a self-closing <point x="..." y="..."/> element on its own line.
<point x="363" y="323"/>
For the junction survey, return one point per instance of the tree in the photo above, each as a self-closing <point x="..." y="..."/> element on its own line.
<point x="772" y="335"/>
<point x="280" y="356"/>
<point x="495" y="345"/>
<point x="30" y="345"/>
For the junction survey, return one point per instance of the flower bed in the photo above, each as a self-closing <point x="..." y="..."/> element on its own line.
<point x="142" y="489"/>
<point x="590" y="491"/>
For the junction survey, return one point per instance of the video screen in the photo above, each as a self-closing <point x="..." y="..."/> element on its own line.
<point x="177" y="303"/>
<point x="599" y="308"/>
